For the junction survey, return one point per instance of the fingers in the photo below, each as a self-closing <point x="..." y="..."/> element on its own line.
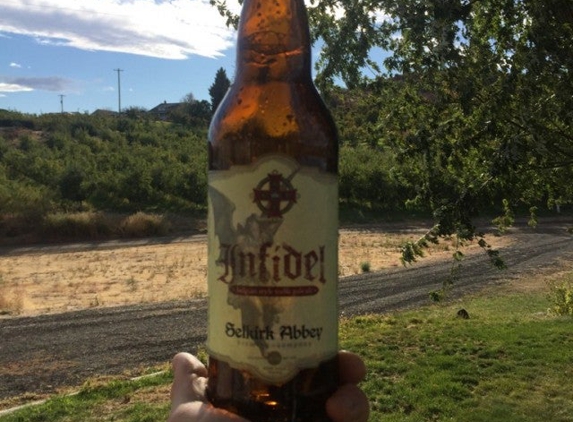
<point x="188" y="402"/>
<point x="189" y="363"/>
<point x="189" y="379"/>
<point x="351" y="368"/>
<point x="348" y="404"/>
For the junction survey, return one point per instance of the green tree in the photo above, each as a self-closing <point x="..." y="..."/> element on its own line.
<point x="72" y="162"/>
<point x="474" y="98"/>
<point x="219" y="88"/>
<point x="192" y="112"/>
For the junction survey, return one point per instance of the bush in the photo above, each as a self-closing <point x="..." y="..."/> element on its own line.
<point x="77" y="225"/>
<point x="108" y="164"/>
<point x="365" y="177"/>
<point x="561" y="297"/>
<point x="143" y="225"/>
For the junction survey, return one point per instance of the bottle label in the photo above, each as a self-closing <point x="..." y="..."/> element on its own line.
<point x="273" y="267"/>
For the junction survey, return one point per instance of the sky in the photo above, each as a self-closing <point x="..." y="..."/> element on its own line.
<point x="56" y="53"/>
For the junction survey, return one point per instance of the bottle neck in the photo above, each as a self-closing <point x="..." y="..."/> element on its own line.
<point x="273" y="41"/>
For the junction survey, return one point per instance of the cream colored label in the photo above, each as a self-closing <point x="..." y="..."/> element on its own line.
<point x="273" y="269"/>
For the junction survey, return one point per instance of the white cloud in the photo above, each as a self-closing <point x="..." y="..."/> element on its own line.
<point x="17" y="65"/>
<point x="9" y="87"/>
<point x="381" y="16"/>
<point x="53" y="83"/>
<point x="169" y="29"/>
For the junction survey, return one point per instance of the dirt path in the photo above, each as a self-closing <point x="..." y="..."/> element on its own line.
<point x="42" y="354"/>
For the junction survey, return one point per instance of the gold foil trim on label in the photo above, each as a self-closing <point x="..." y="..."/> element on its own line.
<point x="272" y="267"/>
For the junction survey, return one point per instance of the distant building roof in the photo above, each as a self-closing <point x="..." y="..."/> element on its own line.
<point x="162" y="110"/>
<point x="104" y="112"/>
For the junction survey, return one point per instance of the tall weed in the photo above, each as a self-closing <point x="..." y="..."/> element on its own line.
<point x="143" y="225"/>
<point x="77" y="225"/>
<point x="561" y="296"/>
<point x="11" y="300"/>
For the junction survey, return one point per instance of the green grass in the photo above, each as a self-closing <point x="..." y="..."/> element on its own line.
<point x="365" y="267"/>
<point x="142" y="400"/>
<point x="511" y="361"/>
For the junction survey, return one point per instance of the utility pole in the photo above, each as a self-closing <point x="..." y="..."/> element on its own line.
<point x="62" y="103"/>
<point x="118" y="89"/>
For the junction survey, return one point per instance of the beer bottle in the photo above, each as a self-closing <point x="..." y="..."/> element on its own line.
<point x="273" y="227"/>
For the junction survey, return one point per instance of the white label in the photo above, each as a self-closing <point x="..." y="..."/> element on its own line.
<point x="273" y="267"/>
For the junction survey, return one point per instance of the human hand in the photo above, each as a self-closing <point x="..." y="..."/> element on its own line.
<point x="189" y="404"/>
<point x="188" y="400"/>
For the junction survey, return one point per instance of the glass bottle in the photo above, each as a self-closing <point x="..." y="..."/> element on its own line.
<point x="273" y="227"/>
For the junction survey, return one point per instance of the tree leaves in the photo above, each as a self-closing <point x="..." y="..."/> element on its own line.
<point x="472" y="100"/>
<point x="477" y="96"/>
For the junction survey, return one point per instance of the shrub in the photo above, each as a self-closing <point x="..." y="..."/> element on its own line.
<point x="77" y="225"/>
<point x="16" y="225"/>
<point x="561" y="296"/>
<point x="143" y="225"/>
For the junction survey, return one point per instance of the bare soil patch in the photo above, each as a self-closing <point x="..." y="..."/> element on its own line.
<point x="54" y="279"/>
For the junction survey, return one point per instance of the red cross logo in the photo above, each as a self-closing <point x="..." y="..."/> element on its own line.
<point x="274" y="195"/>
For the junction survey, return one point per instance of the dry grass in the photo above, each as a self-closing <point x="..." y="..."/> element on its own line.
<point x="66" y="281"/>
<point x="11" y="298"/>
<point x="38" y="282"/>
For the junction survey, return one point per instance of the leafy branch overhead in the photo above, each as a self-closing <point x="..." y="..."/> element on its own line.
<point x="470" y="103"/>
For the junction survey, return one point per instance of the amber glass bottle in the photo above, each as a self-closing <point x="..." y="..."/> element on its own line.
<point x="273" y="227"/>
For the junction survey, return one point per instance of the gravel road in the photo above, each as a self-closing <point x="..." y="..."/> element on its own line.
<point x="44" y="353"/>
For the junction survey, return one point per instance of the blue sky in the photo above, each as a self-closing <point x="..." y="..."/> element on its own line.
<point x="67" y="50"/>
<point x="165" y="48"/>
